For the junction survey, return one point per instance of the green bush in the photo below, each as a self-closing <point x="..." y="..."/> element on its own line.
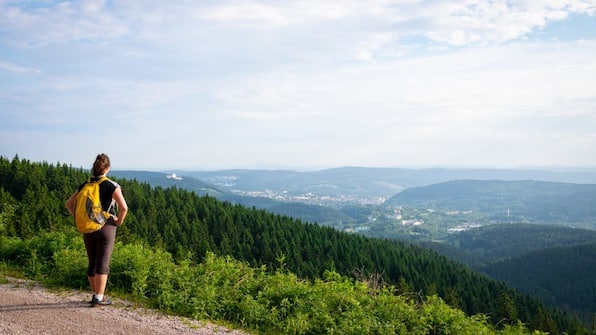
<point x="226" y="290"/>
<point x="12" y="250"/>
<point x="70" y="268"/>
<point x="221" y="288"/>
<point x="37" y="256"/>
<point x="130" y="268"/>
<point x="442" y="319"/>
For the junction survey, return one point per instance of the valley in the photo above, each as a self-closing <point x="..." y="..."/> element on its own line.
<point x="488" y="223"/>
<point x="418" y="205"/>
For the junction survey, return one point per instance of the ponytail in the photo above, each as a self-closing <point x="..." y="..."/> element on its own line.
<point x="101" y="164"/>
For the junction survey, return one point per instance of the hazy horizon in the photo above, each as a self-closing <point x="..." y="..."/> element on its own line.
<point x="279" y="167"/>
<point x="314" y="169"/>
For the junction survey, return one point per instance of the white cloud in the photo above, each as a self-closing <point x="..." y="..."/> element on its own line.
<point x="481" y="22"/>
<point x="452" y="22"/>
<point x="60" y="22"/>
<point x="342" y="81"/>
<point x="483" y="96"/>
<point x="15" y="68"/>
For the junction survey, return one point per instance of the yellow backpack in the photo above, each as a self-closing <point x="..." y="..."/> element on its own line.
<point x="88" y="214"/>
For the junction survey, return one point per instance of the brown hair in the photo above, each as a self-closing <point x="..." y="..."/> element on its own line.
<point x="102" y="162"/>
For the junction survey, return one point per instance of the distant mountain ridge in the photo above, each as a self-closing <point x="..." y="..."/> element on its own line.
<point x="358" y="182"/>
<point x="342" y="190"/>
<point x="509" y="201"/>
<point x="375" y="181"/>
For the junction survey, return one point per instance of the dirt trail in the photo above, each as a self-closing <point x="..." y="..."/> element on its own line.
<point x="26" y="308"/>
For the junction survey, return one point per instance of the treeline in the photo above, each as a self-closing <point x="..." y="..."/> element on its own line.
<point x="32" y="199"/>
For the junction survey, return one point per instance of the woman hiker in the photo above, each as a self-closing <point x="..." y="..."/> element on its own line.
<point x="100" y="244"/>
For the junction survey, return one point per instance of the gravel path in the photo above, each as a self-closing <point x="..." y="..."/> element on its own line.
<point x="26" y="308"/>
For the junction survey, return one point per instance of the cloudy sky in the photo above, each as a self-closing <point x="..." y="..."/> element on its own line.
<point x="299" y="84"/>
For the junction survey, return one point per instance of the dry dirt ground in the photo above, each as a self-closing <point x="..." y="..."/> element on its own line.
<point x="27" y="308"/>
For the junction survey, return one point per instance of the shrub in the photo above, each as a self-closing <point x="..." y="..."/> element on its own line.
<point x="227" y="290"/>
<point x="70" y="268"/>
<point x="136" y="269"/>
<point x="13" y="250"/>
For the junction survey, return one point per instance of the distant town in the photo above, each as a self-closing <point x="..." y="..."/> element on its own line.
<point x="312" y="198"/>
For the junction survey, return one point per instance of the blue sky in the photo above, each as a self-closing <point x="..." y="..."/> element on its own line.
<point x="299" y="84"/>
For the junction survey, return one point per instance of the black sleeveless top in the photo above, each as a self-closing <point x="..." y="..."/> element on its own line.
<point x="106" y="189"/>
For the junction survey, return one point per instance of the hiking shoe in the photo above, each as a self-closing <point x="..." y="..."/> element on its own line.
<point x="95" y="302"/>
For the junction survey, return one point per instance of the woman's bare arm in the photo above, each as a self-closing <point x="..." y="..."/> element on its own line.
<point x="70" y="203"/>
<point x="122" y="206"/>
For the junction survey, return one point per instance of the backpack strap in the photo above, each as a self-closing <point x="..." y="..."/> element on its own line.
<point x="100" y="180"/>
<point x="111" y="207"/>
<point x="94" y="179"/>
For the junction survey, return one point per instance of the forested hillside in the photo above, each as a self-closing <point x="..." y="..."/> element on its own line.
<point x="32" y="199"/>
<point x="499" y="201"/>
<point x="494" y="242"/>
<point x="561" y="276"/>
<point x="553" y="263"/>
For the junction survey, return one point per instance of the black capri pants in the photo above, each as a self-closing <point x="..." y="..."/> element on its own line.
<point x="99" y="246"/>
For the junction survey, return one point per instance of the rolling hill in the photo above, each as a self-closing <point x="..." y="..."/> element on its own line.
<point x="499" y="201"/>
<point x="500" y="241"/>
<point x="363" y="182"/>
<point x="563" y="277"/>
<point x="355" y="197"/>
<point x="553" y="263"/>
